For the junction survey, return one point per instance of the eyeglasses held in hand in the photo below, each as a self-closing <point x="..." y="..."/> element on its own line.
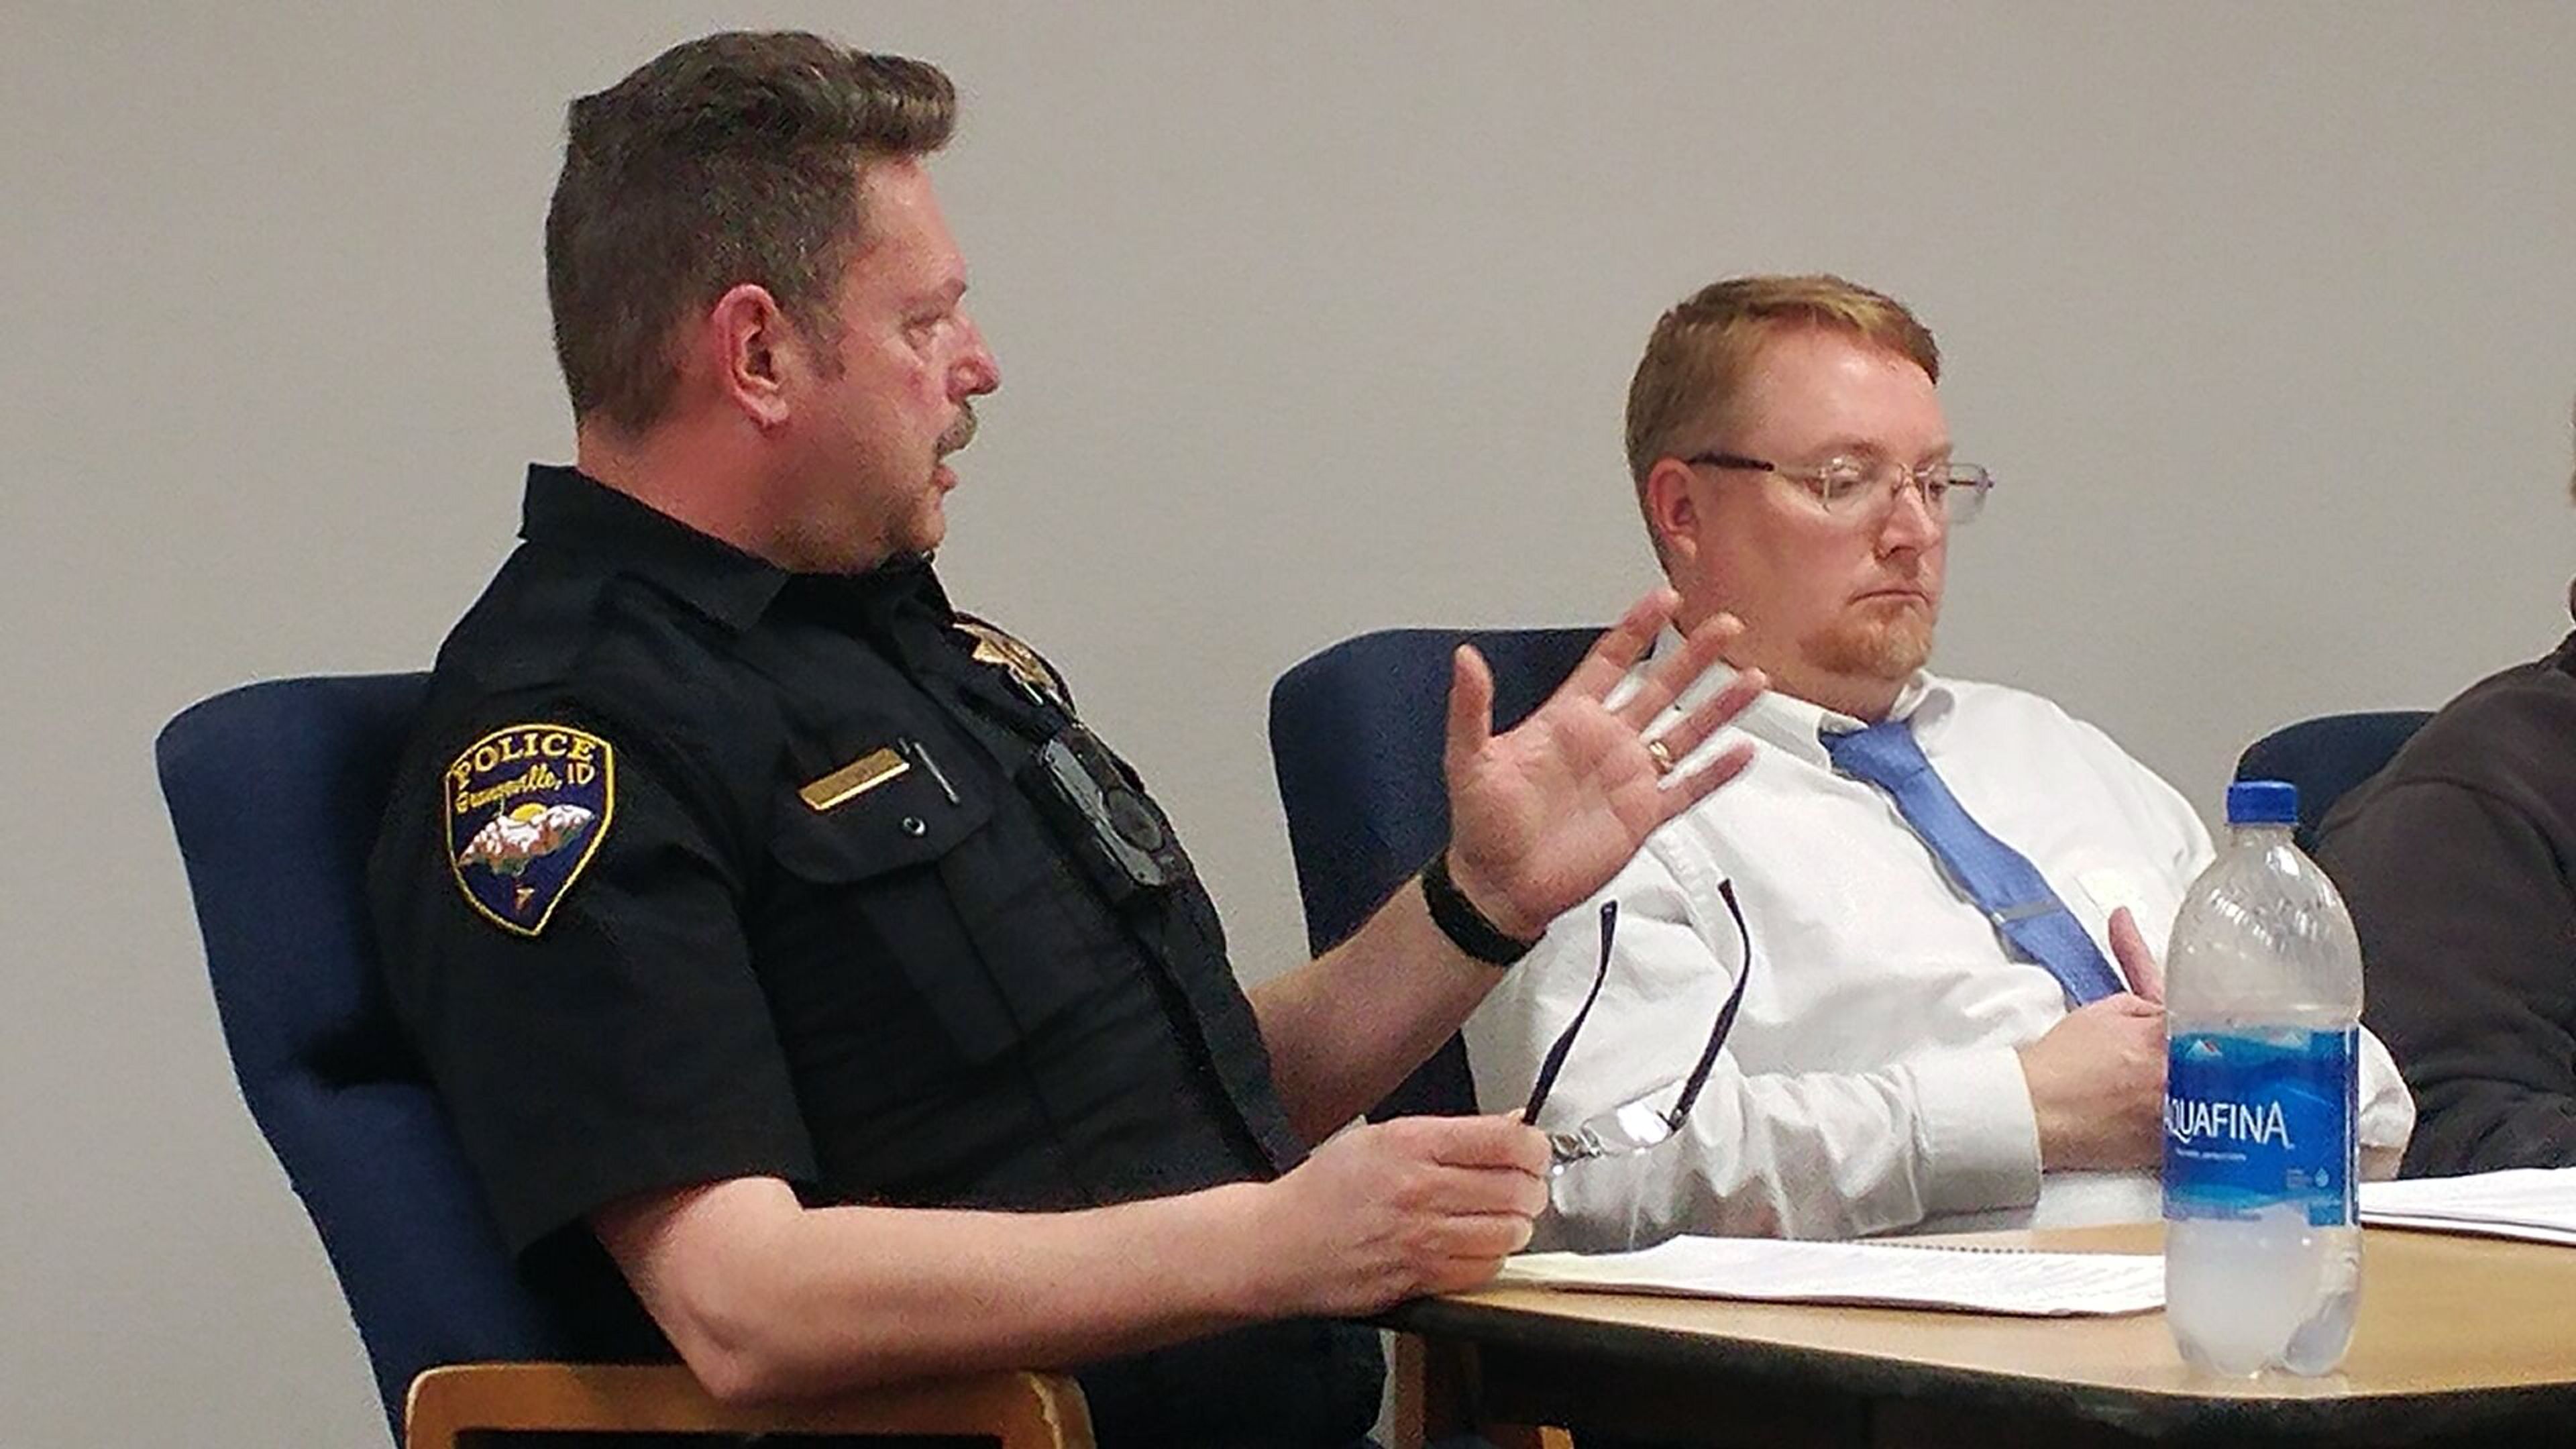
<point x="1861" y="490"/>
<point x="1634" y="1125"/>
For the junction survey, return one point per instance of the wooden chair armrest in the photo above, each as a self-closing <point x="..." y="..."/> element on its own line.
<point x="449" y="1404"/>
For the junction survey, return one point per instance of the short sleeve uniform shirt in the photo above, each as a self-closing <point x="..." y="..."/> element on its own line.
<point x="699" y="869"/>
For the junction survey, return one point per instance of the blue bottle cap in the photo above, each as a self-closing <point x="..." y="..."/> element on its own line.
<point x="2262" y="802"/>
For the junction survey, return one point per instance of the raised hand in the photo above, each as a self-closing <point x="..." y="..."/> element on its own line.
<point x="1544" y="815"/>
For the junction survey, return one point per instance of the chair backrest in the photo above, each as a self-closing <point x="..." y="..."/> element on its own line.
<point x="1356" y="734"/>
<point x="277" y="791"/>
<point x="2327" y="756"/>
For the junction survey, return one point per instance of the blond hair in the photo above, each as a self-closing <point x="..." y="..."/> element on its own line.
<point x="1702" y="352"/>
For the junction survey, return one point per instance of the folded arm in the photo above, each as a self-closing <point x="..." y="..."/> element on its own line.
<point x="1805" y="1154"/>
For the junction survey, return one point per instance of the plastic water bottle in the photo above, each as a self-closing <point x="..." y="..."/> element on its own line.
<point x="2262" y="1038"/>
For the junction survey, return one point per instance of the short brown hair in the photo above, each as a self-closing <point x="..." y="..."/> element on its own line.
<point x="1702" y="350"/>
<point x="730" y="159"/>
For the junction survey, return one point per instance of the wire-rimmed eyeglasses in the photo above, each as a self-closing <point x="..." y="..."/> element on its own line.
<point x="1863" y="488"/>
<point x="1634" y="1125"/>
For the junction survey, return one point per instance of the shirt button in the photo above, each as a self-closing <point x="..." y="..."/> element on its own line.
<point x="912" y="826"/>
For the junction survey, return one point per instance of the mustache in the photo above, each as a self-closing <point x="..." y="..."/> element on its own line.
<point x="960" y="432"/>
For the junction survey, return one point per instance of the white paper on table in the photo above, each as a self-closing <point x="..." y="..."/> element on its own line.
<point x="1899" y="1275"/>
<point x="2535" y="1204"/>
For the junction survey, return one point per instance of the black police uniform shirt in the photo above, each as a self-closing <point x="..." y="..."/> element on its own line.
<point x="698" y="869"/>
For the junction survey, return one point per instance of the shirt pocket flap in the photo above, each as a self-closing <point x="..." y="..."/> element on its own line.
<point x="905" y="881"/>
<point x="907" y="821"/>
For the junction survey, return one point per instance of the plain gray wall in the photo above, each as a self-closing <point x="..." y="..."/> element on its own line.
<point x="1312" y="320"/>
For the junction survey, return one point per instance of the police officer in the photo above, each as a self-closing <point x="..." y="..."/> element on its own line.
<point x="812" y="992"/>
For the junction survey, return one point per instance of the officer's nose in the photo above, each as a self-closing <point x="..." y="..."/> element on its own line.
<point x="977" y="372"/>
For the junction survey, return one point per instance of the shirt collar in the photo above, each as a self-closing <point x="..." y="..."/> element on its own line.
<point x="1794" y="725"/>
<point x="900" y="594"/>
<point x="569" y="509"/>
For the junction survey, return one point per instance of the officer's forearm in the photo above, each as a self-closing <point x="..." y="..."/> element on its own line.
<point x="767" y="1299"/>
<point x="1345" y="1028"/>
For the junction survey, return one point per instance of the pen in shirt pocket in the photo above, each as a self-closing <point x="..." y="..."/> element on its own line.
<point x="921" y="752"/>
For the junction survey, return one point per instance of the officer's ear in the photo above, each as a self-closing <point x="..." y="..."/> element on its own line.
<point x="754" y="352"/>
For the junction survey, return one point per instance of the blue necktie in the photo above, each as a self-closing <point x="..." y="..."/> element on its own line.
<point x="2001" y="880"/>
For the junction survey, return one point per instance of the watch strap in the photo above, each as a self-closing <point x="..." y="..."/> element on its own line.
<point x="1458" y="919"/>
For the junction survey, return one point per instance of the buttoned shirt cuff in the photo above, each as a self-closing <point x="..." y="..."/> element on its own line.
<point x="1975" y="1132"/>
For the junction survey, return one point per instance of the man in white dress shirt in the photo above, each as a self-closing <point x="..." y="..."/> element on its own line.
<point x="1903" y="1059"/>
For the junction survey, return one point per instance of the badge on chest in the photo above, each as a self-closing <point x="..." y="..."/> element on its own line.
<point x="1026" y="667"/>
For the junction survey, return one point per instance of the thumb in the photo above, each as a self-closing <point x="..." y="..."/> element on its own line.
<point x="1471" y="709"/>
<point x="2146" y="977"/>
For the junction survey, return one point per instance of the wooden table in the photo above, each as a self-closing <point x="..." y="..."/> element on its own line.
<point x="2460" y="1341"/>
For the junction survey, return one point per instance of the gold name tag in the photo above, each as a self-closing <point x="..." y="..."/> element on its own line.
<point x="854" y="779"/>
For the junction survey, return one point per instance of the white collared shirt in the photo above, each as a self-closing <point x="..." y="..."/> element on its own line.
<point x="1871" y="1082"/>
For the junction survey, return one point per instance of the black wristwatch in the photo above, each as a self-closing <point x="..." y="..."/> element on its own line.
<point x="1460" y="921"/>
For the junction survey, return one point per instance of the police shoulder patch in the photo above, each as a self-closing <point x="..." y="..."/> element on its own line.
<point x="527" y="806"/>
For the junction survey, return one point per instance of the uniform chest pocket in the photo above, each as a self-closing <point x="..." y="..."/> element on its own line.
<point x="902" y="899"/>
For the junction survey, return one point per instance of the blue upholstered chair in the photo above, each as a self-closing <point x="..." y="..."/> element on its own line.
<point x="2327" y="756"/>
<point x="276" y="791"/>
<point x="1355" y="734"/>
